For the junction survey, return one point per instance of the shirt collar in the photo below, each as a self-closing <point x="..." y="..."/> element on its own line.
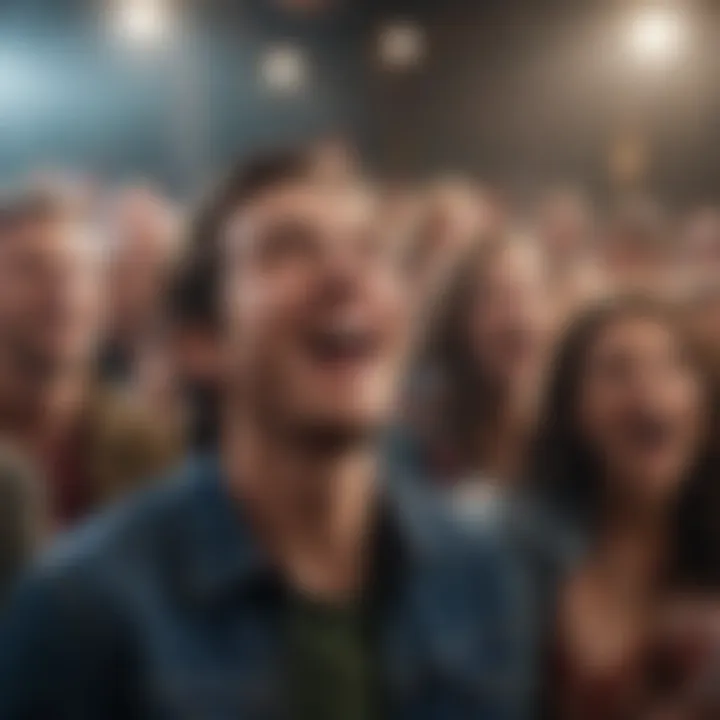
<point x="226" y="556"/>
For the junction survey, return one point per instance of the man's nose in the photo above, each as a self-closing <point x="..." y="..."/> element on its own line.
<point x="341" y="275"/>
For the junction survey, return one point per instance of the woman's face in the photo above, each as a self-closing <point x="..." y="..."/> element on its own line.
<point x="509" y="315"/>
<point x="641" y="408"/>
<point x="705" y="322"/>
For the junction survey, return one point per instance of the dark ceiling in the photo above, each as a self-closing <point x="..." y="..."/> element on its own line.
<point x="519" y="92"/>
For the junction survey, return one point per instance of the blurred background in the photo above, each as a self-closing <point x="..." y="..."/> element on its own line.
<point x="603" y="92"/>
<point x="545" y="190"/>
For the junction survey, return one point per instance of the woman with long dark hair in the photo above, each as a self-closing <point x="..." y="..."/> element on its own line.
<point x="628" y="456"/>
<point x="473" y="408"/>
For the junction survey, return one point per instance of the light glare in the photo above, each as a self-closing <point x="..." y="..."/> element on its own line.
<point x="657" y="34"/>
<point x="143" y="22"/>
<point x="283" y="69"/>
<point x="401" y="45"/>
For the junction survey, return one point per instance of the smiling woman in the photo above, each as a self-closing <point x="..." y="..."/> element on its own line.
<point x="628" y="447"/>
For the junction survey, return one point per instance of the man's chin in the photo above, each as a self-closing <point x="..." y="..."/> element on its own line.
<point x="336" y="432"/>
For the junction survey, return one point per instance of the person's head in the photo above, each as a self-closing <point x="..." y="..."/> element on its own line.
<point x="494" y="319"/>
<point x="401" y="215"/>
<point x="50" y="285"/>
<point x="564" y="224"/>
<point x="315" y="312"/>
<point x="335" y="159"/>
<point x="457" y="210"/>
<point x="488" y="338"/>
<point x="703" y="316"/>
<point x="701" y="240"/>
<point x="637" y="246"/>
<point x="145" y="244"/>
<point x="630" y="421"/>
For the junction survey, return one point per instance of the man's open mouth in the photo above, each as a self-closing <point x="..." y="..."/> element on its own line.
<point x="341" y="344"/>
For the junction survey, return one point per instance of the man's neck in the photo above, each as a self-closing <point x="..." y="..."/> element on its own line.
<point x="311" y="507"/>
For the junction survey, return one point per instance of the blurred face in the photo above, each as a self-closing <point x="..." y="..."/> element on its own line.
<point x="317" y="313"/>
<point x="454" y="218"/>
<point x="705" y="322"/>
<point x="49" y="296"/>
<point x="510" y="314"/>
<point x="565" y="226"/>
<point x="148" y="243"/>
<point x="629" y="254"/>
<point x="641" y="408"/>
<point x="702" y="239"/>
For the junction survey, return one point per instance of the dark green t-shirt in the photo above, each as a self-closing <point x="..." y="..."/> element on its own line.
<point x="331" y="661"/>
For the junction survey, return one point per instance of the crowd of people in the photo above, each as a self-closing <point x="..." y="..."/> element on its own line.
<point x="324" y="447"/>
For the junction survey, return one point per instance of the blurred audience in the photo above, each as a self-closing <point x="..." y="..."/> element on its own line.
<point x="565" y="228"/>
<point x="283" y="556"/>
<point x="638" y="249"/>
<point x="703" y="316"/>
<point x="700" y="242"/>
<point x="454" y="215"/>
<point x="89" y="444"/>
<point x="270" y="342"/>
<point x="486" y="347"/>
<point x="628" y="456"/>
<point x="24" y="524"/>
<point x="195" y="350"/>
<point x="566" y="231"/>
<point x="144" y="245"/>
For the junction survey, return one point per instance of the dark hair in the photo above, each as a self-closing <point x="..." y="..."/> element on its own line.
<point x="565" y="475"/>
<point x="245" y="180"/>
<point x="468" y="396"/>
<point x="191" y="299"/>
<point x="195" y="295"/>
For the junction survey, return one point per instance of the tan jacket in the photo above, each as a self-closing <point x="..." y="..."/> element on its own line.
<point x="126" y="446"/>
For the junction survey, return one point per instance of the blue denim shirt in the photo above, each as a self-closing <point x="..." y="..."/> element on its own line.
<point x="158" y="611"/>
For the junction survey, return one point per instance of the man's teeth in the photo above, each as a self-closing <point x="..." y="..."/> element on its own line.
<point x="342" y="339"/>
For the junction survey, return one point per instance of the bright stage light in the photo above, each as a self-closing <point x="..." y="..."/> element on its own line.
<point x="401" y="45"/>
<point x="143" y="22"/>
<point x="657" y="34"/>
<point x="284" y="69"/>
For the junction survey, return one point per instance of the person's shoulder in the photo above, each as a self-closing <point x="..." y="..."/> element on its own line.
<point x="81" y="608"/>
<point x="128" y="543"/>
<point x="538" y="529"/>
<point x="445" y="540"/>
<point x="469" y="583"/>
